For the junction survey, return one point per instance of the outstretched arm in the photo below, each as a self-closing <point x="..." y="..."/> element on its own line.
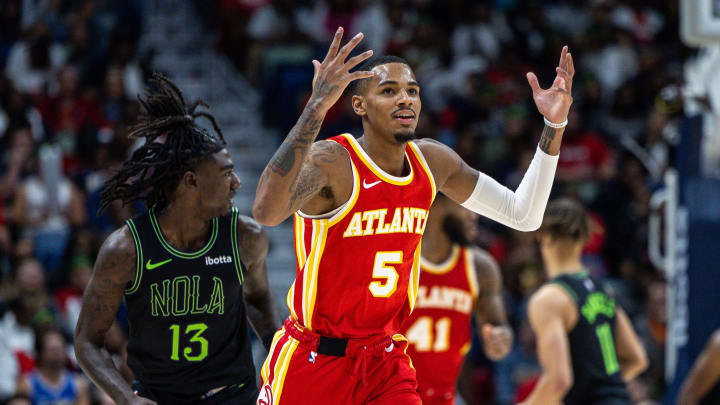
<point x="705" y="373"/>
<point x="256" y="290"/>
<point x="115" y="267"/>
<point x="290" y="178"/>
<point x="547" y="311"/>
<point x="522" y="209"/>
<point x="489" y="309"/>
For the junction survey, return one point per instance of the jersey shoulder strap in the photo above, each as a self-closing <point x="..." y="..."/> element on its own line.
<point x="141" y="220"/>
<point x="233" y="219"/>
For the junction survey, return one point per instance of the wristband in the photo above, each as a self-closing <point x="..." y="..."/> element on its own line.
<point x="554" y="125"/>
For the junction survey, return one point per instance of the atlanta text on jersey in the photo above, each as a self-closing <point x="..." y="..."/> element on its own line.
<point x="374" y="222"/>
<point x="444" y="297"/>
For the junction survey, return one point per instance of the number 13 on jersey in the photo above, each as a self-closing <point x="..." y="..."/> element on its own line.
<point x="195" y="353"/>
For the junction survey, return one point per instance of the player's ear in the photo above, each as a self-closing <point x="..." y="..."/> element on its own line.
<point x="359" y="105"/>
<point x="189" y="179"/>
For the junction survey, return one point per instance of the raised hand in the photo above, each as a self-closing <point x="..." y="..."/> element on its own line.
<point x="332" y="75"/>
<point x="554" y="103"/>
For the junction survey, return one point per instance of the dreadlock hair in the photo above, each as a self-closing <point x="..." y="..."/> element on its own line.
<point x="358" y="86"/>
<point x="174" y="144"/>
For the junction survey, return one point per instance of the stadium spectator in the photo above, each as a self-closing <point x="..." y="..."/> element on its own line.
<point x="67" y="112"/>
<point x="652" y="324"/>
<point x="27" y="307"/>
<point x="33" y="61"/>
<point x="17" y="149"/>
<point x="9" y="27"/>
<point x="47" y="205"/>
<point x="51" y="382"/>
<point x="585" y="157"/>
<point x="69" y="298"/>
<point x="8" y="365"/>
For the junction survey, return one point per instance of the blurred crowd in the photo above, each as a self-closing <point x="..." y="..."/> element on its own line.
<point x="69" y="73"/>
<point x="70" y="70"/>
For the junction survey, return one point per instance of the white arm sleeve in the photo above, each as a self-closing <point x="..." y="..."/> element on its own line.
<point x="524" y="209"/>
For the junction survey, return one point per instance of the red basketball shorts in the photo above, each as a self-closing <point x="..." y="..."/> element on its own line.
<point x="376" y="372"/>
<point x="437" y="395"/>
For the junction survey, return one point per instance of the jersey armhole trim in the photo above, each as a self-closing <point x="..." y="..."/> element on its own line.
<point x="567" y="289"/>
<point x="139" y="254"/>
<point x="421" y="158"/>
<point x="414" y="282"/>
<point x="471" y="272"/>
<point x="234" y="244"/>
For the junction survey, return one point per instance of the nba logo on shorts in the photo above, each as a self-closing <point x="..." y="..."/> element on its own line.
<point x="266" y="397"/>
<point x="312" y="356"/>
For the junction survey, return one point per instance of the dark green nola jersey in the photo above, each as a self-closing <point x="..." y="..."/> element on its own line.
<point x="188" y="326"/>
<point x="596" y="371"/>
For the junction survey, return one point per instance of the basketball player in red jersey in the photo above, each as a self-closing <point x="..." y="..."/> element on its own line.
<point x="457" y="281"/>
<point x="360" y="208"/>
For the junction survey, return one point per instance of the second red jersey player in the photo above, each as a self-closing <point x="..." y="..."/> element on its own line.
<point x="449" y="295"/>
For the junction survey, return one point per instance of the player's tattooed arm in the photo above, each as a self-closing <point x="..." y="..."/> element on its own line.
<point x="298" y="141"/>
<point x="489" y="308"/>
<point x="114" y="268"/>
<point x="546" y="139"/>
<point x="260" y="305"/>
<point x="314" y="179"/>
<point x="282" y="175"/>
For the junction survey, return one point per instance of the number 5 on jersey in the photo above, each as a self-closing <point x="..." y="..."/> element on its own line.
<point x="386" y="288"/>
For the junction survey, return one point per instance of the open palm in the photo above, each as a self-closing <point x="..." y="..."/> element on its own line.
<point x="554" y="102"/>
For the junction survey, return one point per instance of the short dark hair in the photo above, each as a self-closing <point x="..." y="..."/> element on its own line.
<point x="566" y="219"/>
<point x="358" y="86"/>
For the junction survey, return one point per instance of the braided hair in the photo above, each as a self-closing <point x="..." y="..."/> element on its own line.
<point x="174" y="144"/>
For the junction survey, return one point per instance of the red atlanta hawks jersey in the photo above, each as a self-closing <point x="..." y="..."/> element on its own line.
<point x="358" y="266"/>
<point x="438" y="331"/>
